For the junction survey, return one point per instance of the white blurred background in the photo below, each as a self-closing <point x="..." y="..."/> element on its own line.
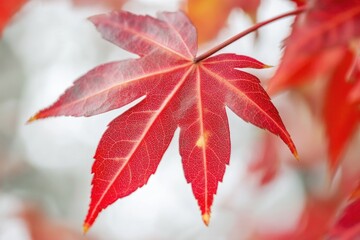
<point x="45" y="167"/>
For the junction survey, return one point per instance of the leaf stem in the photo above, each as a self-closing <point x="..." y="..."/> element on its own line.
<point x="246" y="32"/>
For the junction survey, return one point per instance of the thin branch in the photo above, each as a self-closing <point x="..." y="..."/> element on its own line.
<point x="246" y="32"/>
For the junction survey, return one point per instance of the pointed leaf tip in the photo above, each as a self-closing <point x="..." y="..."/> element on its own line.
<point x="32" y="119"/>
<point x="86" y="228"/>
<point x="206" y="218"/>
<point x="268" y="66"/>
<point x="296" y="155"/>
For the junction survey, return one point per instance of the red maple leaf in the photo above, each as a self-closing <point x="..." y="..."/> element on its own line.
<point x="341" y="116"/>
<point x="311" y="48"/>
<point x="180" y="91"/>
<point x="316" y="50"/>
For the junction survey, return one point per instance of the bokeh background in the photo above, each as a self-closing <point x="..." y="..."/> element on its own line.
<point x="45" y="167"/>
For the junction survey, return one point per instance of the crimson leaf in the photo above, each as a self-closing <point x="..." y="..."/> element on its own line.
<point x="180" y="92"/>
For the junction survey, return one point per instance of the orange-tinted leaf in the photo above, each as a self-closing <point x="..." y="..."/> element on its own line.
<point x="111" y="4"/>
<point x="210" y="16"/>
<point x="7" y="10"/>
<point x="178" y="92"/>
<point x="341" y="116"/>
<point x="324" y="26"/>
<point x="249" y="7"/>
